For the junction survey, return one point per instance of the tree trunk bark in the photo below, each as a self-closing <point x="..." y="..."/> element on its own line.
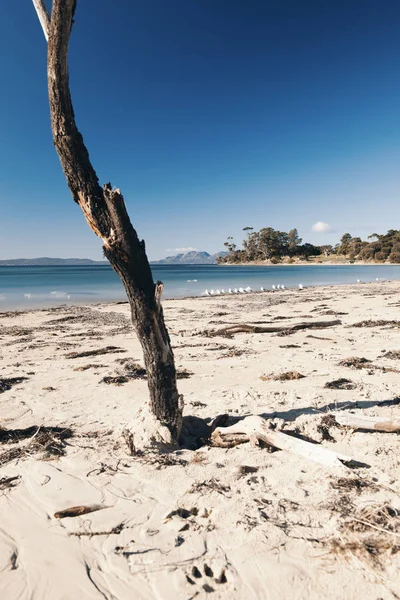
<point x="105" y="211"/>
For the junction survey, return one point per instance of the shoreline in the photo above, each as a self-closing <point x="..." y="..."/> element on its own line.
<point x="266" y="292"/>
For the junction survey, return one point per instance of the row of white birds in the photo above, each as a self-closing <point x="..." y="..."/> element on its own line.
<point x="249" y="289"/>
<point x="244" y="290"/>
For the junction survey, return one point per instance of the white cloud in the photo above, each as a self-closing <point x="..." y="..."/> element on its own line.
<point x="321" y="227"/>
<point x="179" y="250"/>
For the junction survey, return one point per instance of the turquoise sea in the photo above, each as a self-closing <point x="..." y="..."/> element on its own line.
<point x="32" y="287"/>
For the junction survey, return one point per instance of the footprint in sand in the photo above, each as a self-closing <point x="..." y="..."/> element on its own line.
<point x="203" y="578"/>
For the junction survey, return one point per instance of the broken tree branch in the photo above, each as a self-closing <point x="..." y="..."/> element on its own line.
<point x="367" y="423"/>
<point x="256" y="429"/>
<point x="43" y="16"/>
<point x="243" y="328"/>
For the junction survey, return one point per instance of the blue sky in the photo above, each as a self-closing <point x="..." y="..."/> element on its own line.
<point x="210" y="115"/>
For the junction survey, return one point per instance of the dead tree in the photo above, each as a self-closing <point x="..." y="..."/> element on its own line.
<point x="105" y="212"/>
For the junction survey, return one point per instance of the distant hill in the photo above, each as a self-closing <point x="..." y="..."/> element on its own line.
<point x="46" y="262"/>
<point x="190" y="258"/>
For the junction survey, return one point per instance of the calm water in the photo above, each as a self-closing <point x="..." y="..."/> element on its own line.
<point x="23" y="287"/>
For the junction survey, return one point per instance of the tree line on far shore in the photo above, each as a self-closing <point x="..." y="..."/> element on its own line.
<point x="273" y="246"/>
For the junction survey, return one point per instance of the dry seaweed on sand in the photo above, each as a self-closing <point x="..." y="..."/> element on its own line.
<point x="378" y="323"/>
<point x="106" y="350"/>
<point x="324" y="427"/>
<point x="355" y="362"/>
<point x="353" y="484"/>
<point x="341" y="384"/>
<point x="370" y="534"/>
<point x="6" y="383"/>
<point x="132" y="370"/>
<point x="49" y="441"/>
<point x="211" y="484"/>
<point x="7" y="483"/>
<point x="287" y="376"/>
<point x="392" y="354"/>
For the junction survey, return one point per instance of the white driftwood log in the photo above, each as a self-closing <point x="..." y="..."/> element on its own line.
<point x="256" y="428"/>
<point x="367" y="423"/>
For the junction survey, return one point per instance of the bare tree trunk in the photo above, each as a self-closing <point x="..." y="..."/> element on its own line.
<point x="105" y="211"/>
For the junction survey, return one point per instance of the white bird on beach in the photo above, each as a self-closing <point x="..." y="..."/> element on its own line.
<point x="206" y="293"/>
<point x="222" y="291"/>
<point x="278" y="287"/>
<point x="282" y="287"/>
<point x="358" y="280"/>
<point x="300" y="286"/>
<point x="261" y="289"/>
<point x="218" y="292"/>
<point x="248" y="289"/>
<point x="241" y="290"/>
<point x="230" y="291"/>
<point x="273" y="287"/>
<point x="235" y="291"/>
<point x="212" y="292"/>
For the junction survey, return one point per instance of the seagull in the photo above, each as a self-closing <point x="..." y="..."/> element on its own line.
<point x="218" y="292"/>
<point x="206" y="293"/>
<point x="248" y="289"/>
<point x="300" y="286"/>
<point x="230" y="291"/>
<point x="282" y="287"/>
<point x="212" y="292"/>
<point x="241" y="290"/>
<point x="261" y="289"/>
<point x="377" y="279"/>
<point x="235" y="291"/>
<point x="222" y="291"/>
<point x="358" y="280"/>
<point x="273" y="287"/>
<point x="278" y="287"/>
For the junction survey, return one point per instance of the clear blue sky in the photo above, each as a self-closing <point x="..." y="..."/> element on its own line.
<point x="210" y="115"/>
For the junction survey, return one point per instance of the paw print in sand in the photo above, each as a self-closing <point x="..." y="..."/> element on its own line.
<point x="205" y="578"/>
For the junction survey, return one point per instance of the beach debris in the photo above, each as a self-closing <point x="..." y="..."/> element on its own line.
<point x="355" y="362"/>
<point x="7" y="483"/>
<point x="231" y="330"/>
<point x="77" y="511"/>
<point x="242" y="470"/>
<point x="132" y="370"/>
<point x="106" y="350"/>
<point x="47" y="440"/>
<point x="341" y="384"/>
<point x="367" y="423"/>
<point x="6" y="383"/>
<point x="288" y="376"/>
<point x="378" y="323"/>
<point x="392" y="354"/>
<point x="89" y="366"/>
<point x="256" y="429"/>
<point x="353" y="484"/>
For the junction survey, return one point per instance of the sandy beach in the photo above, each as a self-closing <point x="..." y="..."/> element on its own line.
<point x="245" y="522"/>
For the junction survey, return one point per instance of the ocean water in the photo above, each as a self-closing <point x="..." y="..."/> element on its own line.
<point x="33" y="287"/>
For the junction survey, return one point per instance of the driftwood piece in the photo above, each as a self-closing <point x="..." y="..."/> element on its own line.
<point x="256" y="429"/>
<point x="244" y="328"/>
<point x="368" y="423"/>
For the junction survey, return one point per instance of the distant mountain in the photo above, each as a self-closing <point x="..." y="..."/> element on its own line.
<point x="190" y="258"/>
<point x="45" y="262"/>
